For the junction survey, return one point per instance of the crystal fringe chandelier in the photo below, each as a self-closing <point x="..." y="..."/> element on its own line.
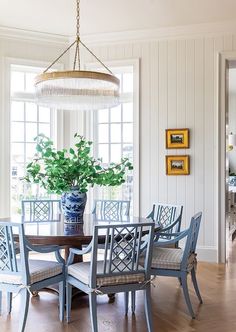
<point x="77" y="89"/>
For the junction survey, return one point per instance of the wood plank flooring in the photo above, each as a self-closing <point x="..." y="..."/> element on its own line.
<point x="218" y="288"/>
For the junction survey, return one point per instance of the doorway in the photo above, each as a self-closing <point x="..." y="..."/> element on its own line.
<point x="230" y="155"/>
<point x="226" y="154"/>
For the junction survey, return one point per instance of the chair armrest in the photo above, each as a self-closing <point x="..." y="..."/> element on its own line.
<point x="170" y="234"/>
<point x="75" y="251"/>
<point x="151" y="214"/>
<point x="46" y="250"/>
<point x="41" y="248"/>
<point x="177" y="237"/>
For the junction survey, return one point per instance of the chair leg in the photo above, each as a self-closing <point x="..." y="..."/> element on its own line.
<point x="24" y="294"/>
<point x="186" y="294"/>
<point x="68" y="301"/>
<point x="194" y="280"/>
<point x="126" y="298"/>
<point x="180" y="282"/>
<point x="133" y="302"/>
<point x="9" y="302"/>
<point x="148" y="308"/>
<point x="93" y="311"/>
<point x="61" y="300"/>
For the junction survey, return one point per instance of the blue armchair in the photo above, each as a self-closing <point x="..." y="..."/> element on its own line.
<point x="118" y="270"/>
<point x="21" y="275"/>
<point x="177" y="262"/>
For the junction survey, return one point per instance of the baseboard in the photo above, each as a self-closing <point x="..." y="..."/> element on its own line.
<point x="207" y="254"/>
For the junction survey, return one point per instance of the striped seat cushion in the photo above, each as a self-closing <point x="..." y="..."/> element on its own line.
<point x="170" y="258"/>
<point x="81" y="271"/>
<point x="39" y="270"/>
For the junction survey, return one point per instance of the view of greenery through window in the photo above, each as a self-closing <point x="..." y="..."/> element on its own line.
<point x="27" y="121"/>
<point x="113" y="136"/>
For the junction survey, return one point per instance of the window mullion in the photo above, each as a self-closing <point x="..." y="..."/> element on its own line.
<point x="19" y="159"/>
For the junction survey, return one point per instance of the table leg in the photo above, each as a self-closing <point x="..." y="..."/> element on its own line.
<point x="111" y="297"/>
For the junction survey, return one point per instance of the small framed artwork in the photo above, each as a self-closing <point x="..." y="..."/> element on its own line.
<point x="177" y="165"/>
<point x="177" y="138"/>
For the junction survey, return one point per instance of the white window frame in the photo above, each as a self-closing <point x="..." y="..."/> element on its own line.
<point x="90" y="117"/>
<point x="57" y="120"/>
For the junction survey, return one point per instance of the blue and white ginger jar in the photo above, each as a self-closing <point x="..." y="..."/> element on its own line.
<point x="73" y="205"/>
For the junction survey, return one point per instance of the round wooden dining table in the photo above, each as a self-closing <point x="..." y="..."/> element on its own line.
<point x="68" y="235"/>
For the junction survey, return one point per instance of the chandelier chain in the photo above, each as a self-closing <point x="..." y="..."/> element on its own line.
<point x="77" y="56"/>
<point x="77" y="42"/>
<point x="78" y="19"/>
<point x="77" y="51"/>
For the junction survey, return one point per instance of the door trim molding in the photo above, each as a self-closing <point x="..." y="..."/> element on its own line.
<point x="223" y="65"/>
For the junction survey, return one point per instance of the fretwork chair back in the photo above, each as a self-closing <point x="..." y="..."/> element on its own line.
<point x="177" y="262"/>
<point x="38" y="210"/>
<point x="21" y="275"/>
<point x="111" y="210"/>
<point x="169" y="217"/>
<point x="118" y="270"/>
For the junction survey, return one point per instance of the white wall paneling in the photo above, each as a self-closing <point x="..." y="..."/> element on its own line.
<point x="181" y="114"/>
<point x="190" y="107"/>
<point x="199" y="129"/>
<point x="172" y="110"/>
<point x="178" y="89"/>
<point x="145" y="138"/>
<point x="162" y="183"/>
<point x="210" y="130"/>
<point x="154" y="129"/>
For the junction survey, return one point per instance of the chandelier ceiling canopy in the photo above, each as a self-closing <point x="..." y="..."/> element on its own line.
<point x="77" y="89"/>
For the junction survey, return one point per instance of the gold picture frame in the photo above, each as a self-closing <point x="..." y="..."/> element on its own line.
<point x="177" y="138"/>
<point x="178" y="165"/>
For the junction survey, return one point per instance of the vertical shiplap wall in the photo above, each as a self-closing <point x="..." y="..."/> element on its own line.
<point x="178" y="89"/>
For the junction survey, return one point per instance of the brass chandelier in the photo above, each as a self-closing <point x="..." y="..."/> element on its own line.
<point x="77" y="89"/>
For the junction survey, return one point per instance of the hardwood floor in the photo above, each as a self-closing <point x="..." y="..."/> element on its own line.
<point x="218" y="288"/>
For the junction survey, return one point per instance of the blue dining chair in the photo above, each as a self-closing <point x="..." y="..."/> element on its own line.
<point x="21" y="275"/>
<point x="111" y="210"/>
<point x="169" y="217"/>
<point x="177" y="262"/>
<point x="38" y="210"/>
<point x="118" y="270"/>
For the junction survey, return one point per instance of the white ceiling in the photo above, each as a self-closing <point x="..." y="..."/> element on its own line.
<point x="101" y="16"/>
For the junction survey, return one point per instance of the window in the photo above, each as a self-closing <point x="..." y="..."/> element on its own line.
<point x="114" y="136"/>
<point x="27" y="121"/>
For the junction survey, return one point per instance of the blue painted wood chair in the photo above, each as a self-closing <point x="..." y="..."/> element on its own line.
<point x="177" y="262"/>
<point x="117" y="271"/>
<point x="111" y="210"/>
<point x="38" y="210"/>
<point x="21" y="275"/>
<point x="169" y="217"/>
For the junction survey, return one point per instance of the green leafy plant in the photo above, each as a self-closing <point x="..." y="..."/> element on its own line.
<point x="58" y="171"/>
